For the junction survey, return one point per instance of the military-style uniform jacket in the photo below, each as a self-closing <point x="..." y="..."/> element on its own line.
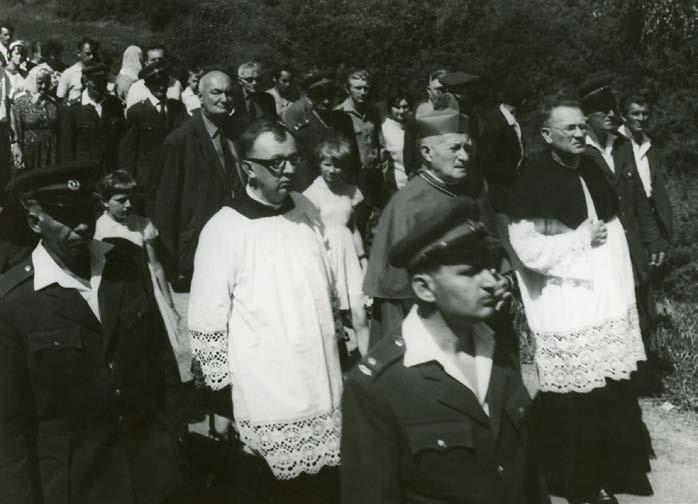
<point x="82" y="403"/>
<point x="146" y="129"/>
<point x="85" y="136"/>
<point x="416" y="435"/>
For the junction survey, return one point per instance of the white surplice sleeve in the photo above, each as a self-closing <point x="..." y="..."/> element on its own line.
<point x="547" y="247"/>
<point x="210" y="303"/>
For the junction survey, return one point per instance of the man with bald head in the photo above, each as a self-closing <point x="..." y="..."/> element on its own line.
<point x="199" y="173"/>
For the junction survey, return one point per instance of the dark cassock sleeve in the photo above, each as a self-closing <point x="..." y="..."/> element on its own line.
<point x="19" y="472"/>
<point x="369" y="450"/>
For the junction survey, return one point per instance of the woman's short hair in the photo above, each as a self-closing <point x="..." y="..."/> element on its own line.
<point x="335" y="148"/>
<point x="116" y="182"/>
<point x="396" y="94"/>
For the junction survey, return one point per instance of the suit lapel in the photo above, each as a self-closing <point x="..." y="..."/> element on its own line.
<point x="207" y="150"/>
<point x="453" y="394"/>
<point x="594" y="153"/>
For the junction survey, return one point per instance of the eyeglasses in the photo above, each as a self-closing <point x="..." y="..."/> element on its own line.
<point x="571" y="129"/>
<point x="249" y="79"/>
<point x="276" y="166"/>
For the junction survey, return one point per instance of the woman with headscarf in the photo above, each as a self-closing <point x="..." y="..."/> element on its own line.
<point x="131" y="64"/>
<point x="37" y="119"/>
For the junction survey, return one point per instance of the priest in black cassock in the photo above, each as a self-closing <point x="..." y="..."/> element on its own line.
<point x="448" y="153"/>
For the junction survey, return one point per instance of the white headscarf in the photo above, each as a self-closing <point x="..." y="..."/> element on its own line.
<point x="32" y="76"/>
<point x="131" y="63"/>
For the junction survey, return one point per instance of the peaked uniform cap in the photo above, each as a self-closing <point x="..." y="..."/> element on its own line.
<point x="154" y="70"/>
<point x="64" y="185"/>
<point x="458" y="79"/>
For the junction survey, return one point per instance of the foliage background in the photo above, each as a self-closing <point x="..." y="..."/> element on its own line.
<point x="548" y="46"/>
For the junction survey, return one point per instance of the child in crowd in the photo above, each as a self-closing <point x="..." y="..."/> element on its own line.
<point x="118" y="221"/>
<point x="190" y="95"/>
<point x="336" y="200"/>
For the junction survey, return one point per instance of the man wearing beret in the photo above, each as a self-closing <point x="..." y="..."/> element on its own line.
<point x="448" y="154"/>
<point x="91" y="128"/>
<point x="311" y="118"/>
<point x="438" y="411"/>
<point x="86" y="374"/>
<point x="613" y="154"/>
<point x="147" y="125"/>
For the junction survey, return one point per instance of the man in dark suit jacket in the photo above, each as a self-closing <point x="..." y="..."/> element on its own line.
<point x="249" y="103"/>
<point x="87" y="378"/>
<point x="501" y="146"/>
<point x="614" y="156"/>
<point x="635" y="112"/>
<point x="438" y="411"/>
<point x="199" y="174"/>
<point x="92" y="128"/>
<point x="147" y="124"/>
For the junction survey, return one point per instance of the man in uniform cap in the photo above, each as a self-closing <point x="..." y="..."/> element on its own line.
<point x="463" y="87"/>
<point x="86" y="375"/>
<point x="91" y="128"/>
<point x="438" y="411"/>
<point x="448" y="154"/>
<point x="613" y="154"/>
<point x="147" y="124"/>
<point x="311" y="118"/>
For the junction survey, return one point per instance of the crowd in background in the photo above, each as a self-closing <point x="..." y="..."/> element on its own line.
<point x="224" y="188"/>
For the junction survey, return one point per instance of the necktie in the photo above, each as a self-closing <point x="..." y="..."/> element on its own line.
<point x="251" y="112"/>
<point x="229" y="163"/>
<point x="163" y="109"/>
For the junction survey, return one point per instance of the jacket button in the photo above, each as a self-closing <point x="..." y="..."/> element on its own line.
<point x="121" y="418"/>
<point x="111" y="366"/>
<point x="441" y="443"/>
<point x="500" y="469"/>
<point x="55" y="343"/>
<point x="117" y="393"/>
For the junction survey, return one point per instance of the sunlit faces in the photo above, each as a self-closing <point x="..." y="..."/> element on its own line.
<point x="602" y="121"/>
<point x="359" y="89"/>
<point x="273" y="182"/>
<point x="155" y="55"/>
<point x="435" y="89"/>
<point x="5" y="36"/>
<point x="87" y="53"/>
<point x="216" y="94"/>
<point x="566" y="130"/>
<point x="400" y="110"/>
<point x="449" y="156"/>
<point x="284" y="81"/>
<point x="43" y="83"/>
<point x="460" y="292"/>
<point x="636" y="117"/>
<point x="67" y="232"/>
<point x="331" y="170"/>
<point x="249" y="79"/>
<point x="118" y="206"/>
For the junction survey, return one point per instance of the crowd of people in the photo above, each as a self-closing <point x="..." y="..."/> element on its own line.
<point x="323" y="278"/>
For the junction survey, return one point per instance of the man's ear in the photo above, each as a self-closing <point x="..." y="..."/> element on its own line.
<point x="426" y="152"/>
<point x="423" y="287"/>
<point x="247" y="168"/>
<point x="34" y="217"/>
<point x="547" y="135"/>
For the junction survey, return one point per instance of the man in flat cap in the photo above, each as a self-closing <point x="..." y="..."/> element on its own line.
<point x="448" y="154"/>
<point x="92" y="128"/>
<point x="311" y="118"/>
<point x="438" y="411"/>
<point x="87" y="377"/>
<point x="147" y="125"/>
<point x="613" y="154"/>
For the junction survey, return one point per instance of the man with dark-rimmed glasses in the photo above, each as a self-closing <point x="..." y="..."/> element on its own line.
<point x="261" y="320"/>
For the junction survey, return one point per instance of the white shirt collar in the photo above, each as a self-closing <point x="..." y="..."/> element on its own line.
<point x="47" y="271"/>
<point x="610" y="138"/>
<point x="646" y="142"/>
<point x="154" y="101"/>
<point x="252" y="195"/>
<point x="420" y="347"/>
<point x="508" y="115"/>
<point x="86" y="100"/>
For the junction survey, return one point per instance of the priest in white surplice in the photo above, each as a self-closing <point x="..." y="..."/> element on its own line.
<point x="577" y="288"/>
<point x="261" y="319"/>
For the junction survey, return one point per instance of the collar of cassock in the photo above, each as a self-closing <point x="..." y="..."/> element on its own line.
<point x="253" y="209"/>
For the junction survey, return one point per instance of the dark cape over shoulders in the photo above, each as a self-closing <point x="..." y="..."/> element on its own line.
<point x="547" y="189"/>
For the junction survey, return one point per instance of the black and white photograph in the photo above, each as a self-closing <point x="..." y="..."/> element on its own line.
<point x="348" y="252"/>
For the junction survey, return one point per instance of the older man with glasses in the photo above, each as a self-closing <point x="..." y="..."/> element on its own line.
<point x="250" y="103"/>
<point x="261" y="319"/>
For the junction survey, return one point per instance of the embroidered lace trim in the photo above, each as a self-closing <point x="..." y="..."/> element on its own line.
<point x="300" y="445"/>
<point x="581" y="360"/>
<point x="210" y="349"/>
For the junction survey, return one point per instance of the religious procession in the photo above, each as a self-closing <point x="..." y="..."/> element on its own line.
<point x="213" y="292"/>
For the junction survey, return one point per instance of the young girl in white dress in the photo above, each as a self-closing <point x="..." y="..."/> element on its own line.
<point x="119" y="221"/>
<point x="336" y="200"/>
